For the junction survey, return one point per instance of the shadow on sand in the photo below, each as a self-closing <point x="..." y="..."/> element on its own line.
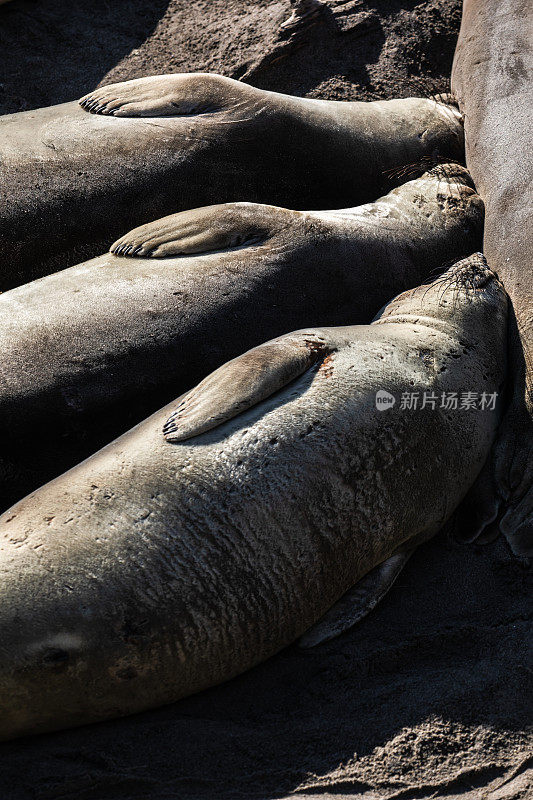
<point x="54" y="51"/>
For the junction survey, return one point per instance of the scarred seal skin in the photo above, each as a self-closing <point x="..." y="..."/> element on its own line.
<point x="217" y="531"/>
<point x="88" y="352"/>
<point x="492" y="79"/>
<point x="72" y="181"/>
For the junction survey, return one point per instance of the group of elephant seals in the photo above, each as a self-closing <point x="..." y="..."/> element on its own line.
<point x="73" y="182"/>
<point x="220" y="529"/>
<point x="96" y="348"/>
<point x="492" y="79"/>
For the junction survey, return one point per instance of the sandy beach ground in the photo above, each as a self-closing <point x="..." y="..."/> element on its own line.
<point x="430" y="696"/>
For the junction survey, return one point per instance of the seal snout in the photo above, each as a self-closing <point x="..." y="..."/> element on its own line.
<point x="472" y="272"/>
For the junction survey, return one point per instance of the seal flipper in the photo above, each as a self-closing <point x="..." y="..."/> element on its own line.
<point x="244" y="382"/>
<point x="358" y="601"/>
<point x="205" y="229"/>
<point x="491" y="495"/>
<point x="172" y="95"/>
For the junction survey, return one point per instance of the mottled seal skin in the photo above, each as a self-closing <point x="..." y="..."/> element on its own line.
<point x="72" y="182"/>
<point x="88" y="352"/>
<point x="493" y="81"/>
<point x="159" y="567"/>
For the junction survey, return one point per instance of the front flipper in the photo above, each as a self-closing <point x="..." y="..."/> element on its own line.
<point x="206" y="229"/>
<point x="358" y="601"/>
<point x="244" y="382"/>
<point x="168" y="96"/>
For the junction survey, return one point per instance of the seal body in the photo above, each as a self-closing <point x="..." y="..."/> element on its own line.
<point x="96" y="348"/>
<point x="165" y="564"/>
<point x="493" y="81"/>
<point x="73" y="181"/>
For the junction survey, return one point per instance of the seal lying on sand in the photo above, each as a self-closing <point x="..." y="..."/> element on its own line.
<point x="493" y="80"/>
<point x="72" y="182"/>
<point x="159" y="567"/>
<point x="96" y="348"/>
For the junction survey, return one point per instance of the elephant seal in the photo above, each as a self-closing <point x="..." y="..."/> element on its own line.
<point x="492" y="79"/>
<point x="73" y="182"/>
<point x="165" y="564"/>
<point x="96" y="348"/>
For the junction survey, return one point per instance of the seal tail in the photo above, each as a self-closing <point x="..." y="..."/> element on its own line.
<point x="244" y="382"/>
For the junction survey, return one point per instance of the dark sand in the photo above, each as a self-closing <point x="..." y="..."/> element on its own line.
<point x="430" y="696"/>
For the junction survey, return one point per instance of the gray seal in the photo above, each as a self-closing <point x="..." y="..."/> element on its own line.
<point x="96" y="348"/>
<point x="493" y="81"/>
<point x="72" y="182"/>
<point x="229" y="523"/>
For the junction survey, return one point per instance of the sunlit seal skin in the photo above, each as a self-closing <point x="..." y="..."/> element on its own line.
<point x="224" y="526"/>
<point x="72" y="182"/>
<point x="493" y="81"/>
<point x="96" y="348"/>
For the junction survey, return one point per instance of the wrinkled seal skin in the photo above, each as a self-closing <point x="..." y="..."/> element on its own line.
<point x="90" y="351"/>
<point x="493" y="81"/>
<point x="72" y="182"/>
<point x="156" y="569"/>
